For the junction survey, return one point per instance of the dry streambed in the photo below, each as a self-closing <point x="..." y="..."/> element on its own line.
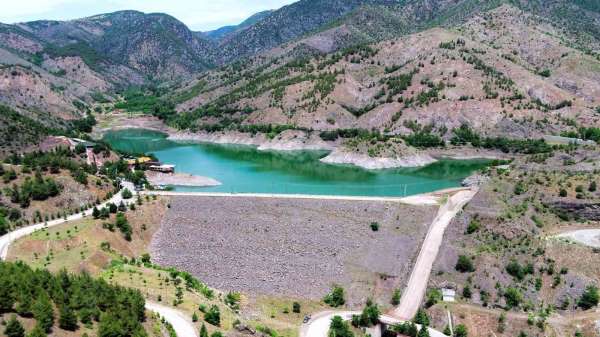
<point x="293" y="247"/>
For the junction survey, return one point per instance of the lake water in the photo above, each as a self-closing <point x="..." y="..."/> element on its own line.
<point x="244" y="169"/>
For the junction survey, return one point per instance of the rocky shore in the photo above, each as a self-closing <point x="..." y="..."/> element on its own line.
<point x="377" y="163"/>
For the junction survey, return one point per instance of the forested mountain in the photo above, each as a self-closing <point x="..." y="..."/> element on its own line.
<point x="226" y="31"/>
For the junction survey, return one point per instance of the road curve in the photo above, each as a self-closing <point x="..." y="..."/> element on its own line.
<point x="181" y="323"/>
<point x="178" y="320"/>
<point x="9" y="238"/>
<point x="417" y="284"/>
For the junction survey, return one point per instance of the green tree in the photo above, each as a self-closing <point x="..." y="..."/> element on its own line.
<point x="424" y="331"/>
<point x="396" y="297"/>
<point x="339" y="328"/>
<point x="335" y="298"/>
<point x="368" y="317"/>
<point x="203" y="331"/>
<point x="7" y="299"/>
<point x="296" y="307"/>
<point x="589" y="298"/>
<point x="213" y="316"/>
<point x="25" y="305"/>
<point x="194" y="317"/>
<point x="14" y="328"/>
<point x="433" y="296"/>
<point x="4" y="228"/>
<point x="513" y="297"/>
<point x="464" y="264"/>
<point x="67" y="319"/>
<point x="126" y="194"/>
<point x="421" y="317"/>
<point x="460" y="331"/>
<point x="37" y="332"/>
<point x="43" y="312"/>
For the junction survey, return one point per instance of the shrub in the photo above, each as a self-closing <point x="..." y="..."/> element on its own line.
<point x="513" y="297"/>
<point x="213" y="316"/>
<point x="396" y="297"/>
<point x="473" y="226"/>
<point x="589" y="298"/>
<point x="374" y="226"/>
<point x="339" y="328"/>
<point x="296" y="307"/>
<point x="421" y="317"/>
<point x="336" y="297"/>
<point x="126" y="194"/>
<point x="562" y="193"/>
<point x="433" y="296"/>
<point x="464" y="264"/>
<point x="460" y="331"/>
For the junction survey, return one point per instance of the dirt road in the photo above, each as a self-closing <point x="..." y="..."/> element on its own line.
<point x="417" y="284"/>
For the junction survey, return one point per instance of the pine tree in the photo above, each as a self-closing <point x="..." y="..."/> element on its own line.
<point x="25" y="306"/>
<point x="37" y="332"/>
<point x="43" y="312"/>
<point x="7" y="299"/>
<point x="67" y="320"/>
<point x="424" y="332"/>
<point x="421" y="318"/>
<point x="14" y="328"/>
<point x="203" y="331"/>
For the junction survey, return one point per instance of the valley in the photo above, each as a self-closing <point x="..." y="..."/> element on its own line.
<point x="327" y="168"/>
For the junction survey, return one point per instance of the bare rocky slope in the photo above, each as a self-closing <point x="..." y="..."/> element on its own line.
<point x="503" y="72"/>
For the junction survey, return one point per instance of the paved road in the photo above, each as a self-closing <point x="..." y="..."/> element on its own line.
<point x="423" y="199"/>
<point x="417" y="284"/>
<point x="182" y="326"/>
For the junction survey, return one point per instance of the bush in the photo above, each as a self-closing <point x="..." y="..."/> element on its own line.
<point x="374" y="226"/>
<point x="513" y="297"/>
<point x="589" y="298"/>
<point x="421" y="317"/>
<point x="464" y="264"/>
<point x="336" y="297"/>
<point x="14" y="328"/>
<point x="433" y="296"/>
<point x="473" y="226"/>
<point x="296" y="307"/>
<point x="562" y="193"/>
<point x="396" y="297"/>
<point x="213" y="316"/>
<point x="368" y="317"/>
<point x="339" y="328"/>
<point x="126" y="194"/>
<point x="460" y="331"/>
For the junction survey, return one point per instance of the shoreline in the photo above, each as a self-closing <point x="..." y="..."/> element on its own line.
<point x="296" y="140"/>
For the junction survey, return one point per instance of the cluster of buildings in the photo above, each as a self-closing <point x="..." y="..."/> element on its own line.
<point x="148" y="163"/>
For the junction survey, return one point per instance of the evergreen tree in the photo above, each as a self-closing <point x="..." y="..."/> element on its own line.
<point x="423" y="332"/>
<point x="203" y="331"/>
<point x="339" y="328"/>
<point x="67" y="319"/>
<point x="7" y="299"/>
<point x="96" y="213"/>
<point x="14" y="328"/>
<point x="460" y="331"/>
<point x="213" y="316"/>
<point x="4" y="228"/>
<point x="421" y="317"/>
<point x="43" y="312"/>
<point x="25" y="305"/>
<point x="37" y="332"/>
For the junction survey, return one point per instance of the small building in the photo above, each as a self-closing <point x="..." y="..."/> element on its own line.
<point x="162" y="168"/>
<point x="448" y="294"/>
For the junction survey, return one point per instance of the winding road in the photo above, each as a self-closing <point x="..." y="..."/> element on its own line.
<point x="181" y="324"/>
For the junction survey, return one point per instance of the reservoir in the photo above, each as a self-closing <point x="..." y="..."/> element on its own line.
<point x="244" y="169"/>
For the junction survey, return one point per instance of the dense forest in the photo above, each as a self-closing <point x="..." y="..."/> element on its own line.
<point x="70" y="301"/>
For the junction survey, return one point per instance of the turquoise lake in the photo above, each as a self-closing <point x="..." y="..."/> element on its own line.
<point x="244" y="169"/>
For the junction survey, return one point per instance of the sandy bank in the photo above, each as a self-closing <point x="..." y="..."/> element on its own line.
<point x="180" y="179"/>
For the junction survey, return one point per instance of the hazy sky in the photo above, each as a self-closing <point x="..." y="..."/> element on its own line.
<point x="197" y="14"/>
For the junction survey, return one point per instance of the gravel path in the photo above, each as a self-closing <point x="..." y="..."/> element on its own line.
<point x="290" y="247"/>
